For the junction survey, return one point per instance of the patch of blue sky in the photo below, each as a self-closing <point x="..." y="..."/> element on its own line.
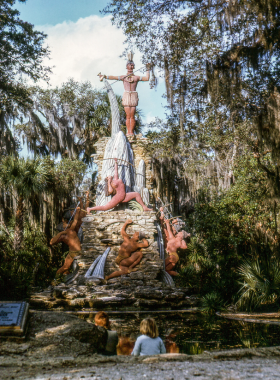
<point x="83" y="42"/>
<point x="52" y="12"/>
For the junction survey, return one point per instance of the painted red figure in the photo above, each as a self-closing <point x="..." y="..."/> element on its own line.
<point x="130" y="252"/>
<point x="174" y="242"/>
<point x="130" y="96"/>
<point x="69" y="236"/>
<point x="117" y="187"/>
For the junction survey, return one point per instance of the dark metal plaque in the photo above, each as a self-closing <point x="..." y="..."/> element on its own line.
<point x="13" y="316"/>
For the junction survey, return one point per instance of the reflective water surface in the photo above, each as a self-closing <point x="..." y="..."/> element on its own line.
<point x="193" y="333"/>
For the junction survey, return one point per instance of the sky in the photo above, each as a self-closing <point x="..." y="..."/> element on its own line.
<point x="83" y="42"/>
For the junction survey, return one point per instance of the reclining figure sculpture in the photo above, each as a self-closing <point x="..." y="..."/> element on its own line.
<point x="116" y="187"/>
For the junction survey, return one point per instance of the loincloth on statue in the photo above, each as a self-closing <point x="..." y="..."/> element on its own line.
<point x="73" y="254"/>
<point x="174" y="254"/>
<point x="130" y="99"/>
<point x="120" y="258"/>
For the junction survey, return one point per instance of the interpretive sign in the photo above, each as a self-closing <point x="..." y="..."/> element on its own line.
<point x="13" y="317"/>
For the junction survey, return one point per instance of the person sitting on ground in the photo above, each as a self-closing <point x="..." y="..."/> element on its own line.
<point x="116" y="187"/>
<point x="102" y="319"/>
<point x="149" y="343"/>
<point x="68" y="236"/>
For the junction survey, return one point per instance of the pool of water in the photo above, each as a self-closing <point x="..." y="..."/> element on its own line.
<point x="193" y="333"/>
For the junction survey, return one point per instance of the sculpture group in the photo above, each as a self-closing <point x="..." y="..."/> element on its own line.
<point x="119" y="184"/>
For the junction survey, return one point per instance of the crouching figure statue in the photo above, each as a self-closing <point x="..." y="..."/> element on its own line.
<point x="129" y="252"/>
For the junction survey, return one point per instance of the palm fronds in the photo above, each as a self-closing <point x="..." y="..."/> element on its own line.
<point x="260" y="283"/>
<point x="196" y="251"/>
<point x="212" y="302"/>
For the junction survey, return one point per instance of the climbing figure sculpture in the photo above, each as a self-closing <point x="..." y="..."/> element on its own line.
<point x="129" y="252"/>
<point x="116" y="187"/>
<point x="173" y="243"/>
<point x="70" y="237"/>
<point x="130" y="96"/>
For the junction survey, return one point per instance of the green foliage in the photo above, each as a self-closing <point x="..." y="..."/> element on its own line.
<point x="221" y="65"/>
<point x="68" y="120"/>
<point x="32" y="265"/>
<point x="260" y="282"/>
<point x="21" y="57"/>
<point x="212" y="302"/>
<point x="231" y="226"/>
<point x="26" y="177"/>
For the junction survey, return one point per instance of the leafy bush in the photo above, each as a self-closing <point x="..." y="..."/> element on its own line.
<point x="234" y="232"/>
<point x="212" y="302"/>
<point x="33" y="265"/>
<point x="260" y="283"/>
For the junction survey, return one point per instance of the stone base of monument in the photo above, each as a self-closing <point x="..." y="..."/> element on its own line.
<point x="137" y="290"/>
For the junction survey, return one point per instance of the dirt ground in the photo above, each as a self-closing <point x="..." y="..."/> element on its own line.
<point x="63" y="347"/>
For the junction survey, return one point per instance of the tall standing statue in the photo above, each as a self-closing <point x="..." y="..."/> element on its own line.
<point x="130" y="96"/>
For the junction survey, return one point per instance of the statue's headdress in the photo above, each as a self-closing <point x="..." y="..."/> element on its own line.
<point x="130" y="57"/>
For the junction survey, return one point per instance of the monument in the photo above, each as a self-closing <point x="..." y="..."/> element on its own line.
<point x="122" y="259"/>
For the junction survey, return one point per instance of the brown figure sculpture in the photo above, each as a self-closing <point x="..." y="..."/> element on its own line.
<point x="130" y="252"/>
<point x="174" y="242"/>
<point x="130" y="96"/>
<point x="69" y="236"/>
<point x="116" y="187"/>
<point x="83" y="211"/>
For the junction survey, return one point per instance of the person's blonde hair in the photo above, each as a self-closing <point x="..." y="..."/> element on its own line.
<point x="102" y="319"/>
<point x="149" y="327"/>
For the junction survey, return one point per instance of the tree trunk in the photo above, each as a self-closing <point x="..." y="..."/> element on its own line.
<point x="18" y="237"/>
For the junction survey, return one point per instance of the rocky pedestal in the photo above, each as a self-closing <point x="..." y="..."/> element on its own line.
<point x="137" y="290"/>
<point x="103" y="230"/>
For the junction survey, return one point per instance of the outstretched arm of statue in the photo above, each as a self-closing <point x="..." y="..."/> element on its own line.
<point x="110" y="77"/>
<point x="114" y="77"/>
<point x="123" y="230"/>
<point x="147" y="77"/>
<point x="76" y="219"/>
<point x="169" y="231"/>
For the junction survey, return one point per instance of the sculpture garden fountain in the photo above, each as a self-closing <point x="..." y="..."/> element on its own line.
<point x="148" y="285"/>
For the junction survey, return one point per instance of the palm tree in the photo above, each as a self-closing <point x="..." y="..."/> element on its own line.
<point x="23" y="178"/>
